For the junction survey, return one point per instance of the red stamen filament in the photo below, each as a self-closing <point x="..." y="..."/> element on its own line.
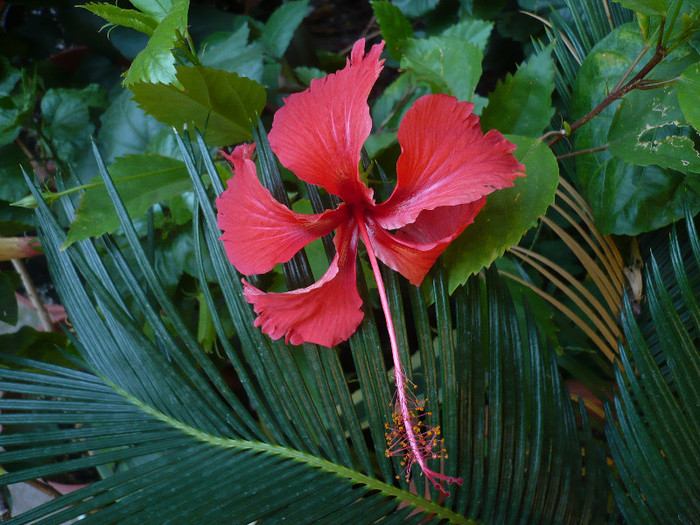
<point x="408" y="435"/>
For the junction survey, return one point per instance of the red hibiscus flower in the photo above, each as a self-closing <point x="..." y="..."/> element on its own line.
<point x="446" y="168"/>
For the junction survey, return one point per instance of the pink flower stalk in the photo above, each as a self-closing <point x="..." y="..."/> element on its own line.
<point x="446" y="168"/>
<point x="18" y="247"/>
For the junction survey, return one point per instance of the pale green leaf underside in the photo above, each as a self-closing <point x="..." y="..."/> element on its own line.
<point x="220" y="104"/>
<point x="118" y="16"/>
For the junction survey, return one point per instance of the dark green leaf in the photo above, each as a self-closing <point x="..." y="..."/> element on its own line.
<point x="395" y="27"/>
<point x="447" y="64"/>
<point x="156" y="63"/>
<point x="17" y="100"/>
<point x="126" y="128"/>
<point x="649" y="128"/>
<point x="143" y="180"/>
<point x="9" y="77"/>
<point x="13" y="187"/>
<point x="159" y="9"/>
<point x="10" y="124"/>
<point x="416" y="8"/>
<point x="471" y="30"/>
<point x="30" y="343"/>
<point x="522" y="104"/>
<point x="508" y="213"/>
<point x="231" y="52"/>
<point x="307" y="74"/>
<point x="280" y="27"/>
<point x="220" y="104"/>
<point x="8" y="302"/>
<point x="625" y="199"/>
<point x="646" y="7"/>
<point x="689" y="93"/>
<point x="116" y="16"/>
<point x="390" y="106"/>
<point x="14" y="220"/>
<point x="66" y="117"/>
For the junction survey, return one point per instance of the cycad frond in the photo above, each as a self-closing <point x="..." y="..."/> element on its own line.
<point x="655" y="441"/>
<point x="305" y="443"/>
<point x="589" y="21"/>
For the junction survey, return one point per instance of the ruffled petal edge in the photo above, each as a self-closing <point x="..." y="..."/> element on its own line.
<point x="445" y="160"/>
<point x="318" y="134"/>
<point x="325" y="313"/>
<point x="259" y="231"/>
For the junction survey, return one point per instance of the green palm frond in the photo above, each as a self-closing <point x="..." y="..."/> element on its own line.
<point x="303" y="439"/>
<point x="588" y="22"/>
<point x="655" y="442"/>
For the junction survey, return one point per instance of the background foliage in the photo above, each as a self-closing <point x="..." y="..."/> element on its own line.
<point x="556" y="341"/>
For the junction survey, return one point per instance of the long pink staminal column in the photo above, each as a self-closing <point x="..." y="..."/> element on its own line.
<point x="415" y="452"/>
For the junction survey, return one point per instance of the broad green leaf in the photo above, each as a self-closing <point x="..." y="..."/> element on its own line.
<point x="447" y="64"/>
<point x="377" y="142"/>
<point x="14" y="220"/>
<point x="522" y="103"/>
<point x="471" y="30"/>
<point x="220" y="104"/>
<point x="231" y="52"/>
<point x="416" y="8"/>
<point x="646" y="7"/>
<point x="66" y="117"/>
<point x="31" y="343"/>
<point x="116" y="16"/>
<point x="280" y="27"/>
<point x="156" y="63"/>
<point x="9" y="77"/>
<point x="142" y="180"/>
<point x="648" y="128"/>
<point x="508" y="214"/>
<point x="10" y="123"/>
<point x="307" y="74"/>
<point x="126" y="128"/>
<point x="16" y="101"/>
<point x="8" y="302"/>
<point x="395" y="27"/>
<point x="688" y="87"/>
<point x="625" y="199"/>
<point x="13" y="187"/>
<point x="158" y="9"/>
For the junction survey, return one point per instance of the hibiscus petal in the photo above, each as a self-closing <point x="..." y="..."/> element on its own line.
<point x="319" y="133"/>
<point x="413" y="249"/>
<point x="445" y="160"/>
<point x="259" y="231"/>
<point x="326" y="313"/>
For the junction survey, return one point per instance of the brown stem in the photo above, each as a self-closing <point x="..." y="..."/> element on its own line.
<point x="44" y="487"/>
<point x="33" y="295"/>
<point x="40" y="170"/>
<point x="616" y="93"/>
<point x="582" y="152"/>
